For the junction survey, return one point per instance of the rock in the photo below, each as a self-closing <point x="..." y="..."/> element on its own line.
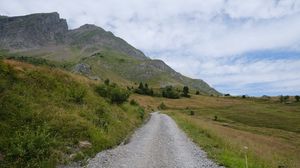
<point x="32" y="31"/>
<point x="82" y="68"/>
<point x="72" y="156"/>
<point x="85" y="144"/>
<point x="96" y="78"/>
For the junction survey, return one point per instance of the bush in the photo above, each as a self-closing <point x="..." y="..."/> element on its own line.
<point x="297" y="98"/>
<point x="162" y="106"/>
<point x="102" y="120"/>
<point x="281" y="99"/>
<point x="7" y="76"/>
<point x="284" y="99"/>
<point x="141" y="113"/>
<point x="197" y="92"/>
<point x="133" y="102"/>
<point x="144" y="89"/>
<point x="113" y="93"/>
<point x="216" y="118"/>
<point x="35" y="61"/>
<point x="77" y="94"/>
<point x="170" y="92"/>
<point x="118" y="95"/>
<point x="192" y="112"/>
<point x="106" y="82"/>
<point x="28" y="148"/>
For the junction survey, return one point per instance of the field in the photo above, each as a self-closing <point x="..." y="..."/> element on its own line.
<point x="225" y="126"/>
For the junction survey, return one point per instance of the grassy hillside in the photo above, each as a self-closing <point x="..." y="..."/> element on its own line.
<point x="222" y="126"/>
<point x="49" y="116"/>
<point x="119" y="67"/>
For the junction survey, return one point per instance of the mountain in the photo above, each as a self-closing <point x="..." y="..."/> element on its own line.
<point x="89" y="50"/>
<point x="32" y="31"/>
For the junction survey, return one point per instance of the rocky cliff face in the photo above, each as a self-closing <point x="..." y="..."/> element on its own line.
<point x="32" y="31"/>
<point x="48" y="29"/>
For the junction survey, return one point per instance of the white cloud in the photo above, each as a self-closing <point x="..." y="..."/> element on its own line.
<point x="201" y="39"/>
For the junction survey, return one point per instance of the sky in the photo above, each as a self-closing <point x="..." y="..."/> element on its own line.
<point x="239" y="47"/>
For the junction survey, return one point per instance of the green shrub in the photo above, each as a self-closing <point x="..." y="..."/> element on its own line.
<point x="103" y="90"/>
<point x="118" y="95"/>
<point x="7" y="76"/>
<point x="35" y="61"/>
<point x="170" y="92"/>
<point x="297" y="98"/>
<point x="28" y="147"/>
<point x="216" y="118"/>
<point x="144" y="89"/>
<point x="106" y="82"/>
<point x="192" y="112"/>
<point x="77" y="94"/>
<point x="102" y="119"/>
<point x="162" y="106"/>
<point x="113" y="93"/>
<point x="133" y="102"/>
<point x="141" y="113"/>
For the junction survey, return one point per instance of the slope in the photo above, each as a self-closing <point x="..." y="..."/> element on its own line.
<point x="49" y="117"/>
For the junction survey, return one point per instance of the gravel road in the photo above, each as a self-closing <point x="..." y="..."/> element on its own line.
<point x="158" y="144"/>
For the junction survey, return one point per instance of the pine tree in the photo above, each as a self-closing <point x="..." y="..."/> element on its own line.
<point x="185" y="91"/>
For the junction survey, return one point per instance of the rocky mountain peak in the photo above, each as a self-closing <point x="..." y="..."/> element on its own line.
<point x="32" y="31"/>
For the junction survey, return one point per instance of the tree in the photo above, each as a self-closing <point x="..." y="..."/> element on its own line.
<point x="170" y="92"/>
<point x="113" y="93"/>
<point x="281" y="99"/>
<point x="297" y="98"/>
<point x="186" y="91"/>
<point x="144" y="89"/>
<point x="106" y="82"/>
<point x="151" y="92"/>
<point x="141" y="86"/>
<point x="286" y="98"/>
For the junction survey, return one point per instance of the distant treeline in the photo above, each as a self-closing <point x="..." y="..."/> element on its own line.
<point x="167" y="91"/>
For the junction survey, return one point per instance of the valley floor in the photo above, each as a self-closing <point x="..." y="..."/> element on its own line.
<point x="224" y="126"/>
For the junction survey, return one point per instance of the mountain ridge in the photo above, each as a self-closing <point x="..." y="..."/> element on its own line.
<point x="46" y="35"/>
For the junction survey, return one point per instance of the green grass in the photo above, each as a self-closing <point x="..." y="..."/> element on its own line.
<point x="45" y="113"/>
<point x="225" y="154"/>
<point x="268" y="128"/>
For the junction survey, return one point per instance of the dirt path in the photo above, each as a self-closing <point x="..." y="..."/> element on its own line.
<point x="158" y="144"/>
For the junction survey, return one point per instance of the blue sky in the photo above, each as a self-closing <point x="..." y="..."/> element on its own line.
<point x="237" y="46"/>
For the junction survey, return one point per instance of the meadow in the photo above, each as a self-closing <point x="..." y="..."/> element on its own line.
<point x="230" y="128"/>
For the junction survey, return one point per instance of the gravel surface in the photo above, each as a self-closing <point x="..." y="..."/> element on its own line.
<point x="158" y="144"/>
